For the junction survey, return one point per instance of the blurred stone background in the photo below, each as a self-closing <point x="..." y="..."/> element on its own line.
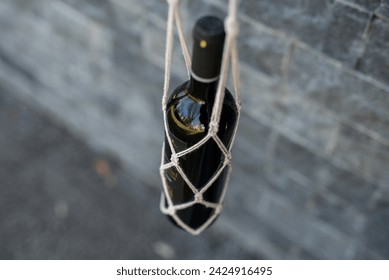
<point x="81" y="131"/>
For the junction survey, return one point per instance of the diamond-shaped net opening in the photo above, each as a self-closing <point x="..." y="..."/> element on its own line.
<point x="195" y="215"/>
<point x="177" y="189"/>
<point x="208" y="169"/>
<point x="193" y="202"/>
<point x="214" y="194"/>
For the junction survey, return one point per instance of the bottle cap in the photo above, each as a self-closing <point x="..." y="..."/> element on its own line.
<point x="209" y="28"/>
<point x="208" y="43"/>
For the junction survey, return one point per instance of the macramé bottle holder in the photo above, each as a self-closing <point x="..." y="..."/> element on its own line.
<point x="167" y="205"/>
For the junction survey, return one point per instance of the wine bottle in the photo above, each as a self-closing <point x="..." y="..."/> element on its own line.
<point x="189" y="110"/>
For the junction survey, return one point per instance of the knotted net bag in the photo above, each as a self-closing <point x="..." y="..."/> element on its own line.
<point x="230" y="54"/>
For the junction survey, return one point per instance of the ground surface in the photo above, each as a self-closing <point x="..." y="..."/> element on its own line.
<point x="61" y="200"/>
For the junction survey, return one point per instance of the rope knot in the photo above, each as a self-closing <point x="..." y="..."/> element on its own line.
<point x="174" y="159"/>
<point x="228" y="159"/>
<point x="218" y="209"/>
<point x="171" y="210"/>
<point x="198" y="197"/>
<point x="239" y="106"/>
<point x="231" y="25"/>
<point x="213" y="128"/>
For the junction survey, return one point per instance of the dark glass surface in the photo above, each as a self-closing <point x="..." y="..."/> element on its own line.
<point x="188" y="115"/>
<point x="189" y="111"/>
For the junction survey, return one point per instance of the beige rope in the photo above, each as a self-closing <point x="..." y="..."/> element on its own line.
<point x="230" y="53"/>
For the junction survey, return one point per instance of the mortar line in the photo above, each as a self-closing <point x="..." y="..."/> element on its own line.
<point x="365" y="40"/>
<point x="353" y="5"/>
<point x="285" y="63"/>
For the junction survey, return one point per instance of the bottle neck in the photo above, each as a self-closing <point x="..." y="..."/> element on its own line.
<point x="208" y="44"/>
<point x="202" y="90"/>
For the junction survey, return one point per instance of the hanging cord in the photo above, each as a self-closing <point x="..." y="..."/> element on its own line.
<point x="174" y="14"/>
<point x="232" y="30"/>
<point x="230" y="52"/>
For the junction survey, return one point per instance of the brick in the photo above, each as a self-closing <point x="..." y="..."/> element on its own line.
<point x="84" y="47"/>
<point x="253" y="147"/>
<point x="282" y="180"/>
<point x="322" y="172"/>
<point x="250" y="182"/>
<point x="363" y="154"/>
<point x="128" y="25"/>
<point x="338" y="213"/>
<point x="309" y="73"/>
<point x="153" y="48"/>
<point x="261" y="50"/>
<point x="304" y="120"/>
<point x="258" y="236"/>
<point x="276" y="210"/>
<point x="7" y="62"/>
<point x="21" y="7"/>
<point x="277" y="238"/>
<point x="304" y="231"/>
<point x="244" y="177"/>
<point x="306" y="20"/>
<point x="239" y="191"/>
<point x="375" y="61"/>
<point x="377" y="232"/>
<point x="253" y="138"/>
<point x="343" y="36"/>
<point x="332" y="28"/>
<point x="100" y="10"/>
<point x="383" y="9"/>
<point x="354" y="148"/>
<point x="345" y="93"/>
<point x="159" y="8"/>
<point x="304" y="254"/>
<point x="369" y="119"/>
<point x="380" y="199"/>
<point x="260" y="95"/>
<point x="363" y="253"/>
<point x="378" y="165"/>
<point x="369" y="5"/>
<point x="351" y="187"/>
<point x="296" y="157"/>
<point x="249" y="155"/>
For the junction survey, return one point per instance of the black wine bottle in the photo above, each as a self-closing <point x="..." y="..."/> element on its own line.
<point x="189" y="110"/>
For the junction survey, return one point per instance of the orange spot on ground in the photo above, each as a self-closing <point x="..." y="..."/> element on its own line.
<point x="102" y="168"/>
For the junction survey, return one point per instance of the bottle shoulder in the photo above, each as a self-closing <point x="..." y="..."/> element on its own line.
<point x="183" y="91"/>
<point x="189" y="115"/>
<point x="185" y="111"/>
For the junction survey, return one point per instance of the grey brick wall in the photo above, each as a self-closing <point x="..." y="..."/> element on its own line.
<point x="311" y="161"/>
